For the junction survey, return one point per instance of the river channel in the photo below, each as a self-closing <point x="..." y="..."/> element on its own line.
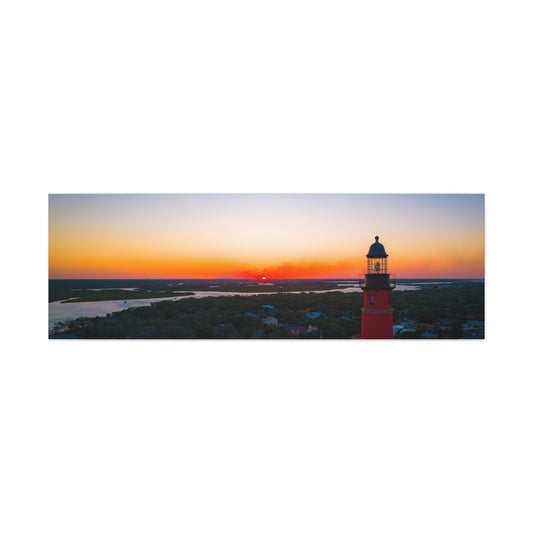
<point x="65" y="310"/>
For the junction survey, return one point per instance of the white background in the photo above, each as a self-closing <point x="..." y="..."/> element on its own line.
<point x="292" y="96"/>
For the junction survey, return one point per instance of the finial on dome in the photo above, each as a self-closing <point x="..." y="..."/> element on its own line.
<point x="377" y="238"/>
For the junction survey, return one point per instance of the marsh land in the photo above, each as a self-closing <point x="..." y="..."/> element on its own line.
<point x="244" y="309"/>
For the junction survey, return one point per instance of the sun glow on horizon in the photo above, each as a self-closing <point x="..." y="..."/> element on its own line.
<point x="295" y="236"/>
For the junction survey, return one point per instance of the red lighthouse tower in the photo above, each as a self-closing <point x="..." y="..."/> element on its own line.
<point x="377" y="288"/>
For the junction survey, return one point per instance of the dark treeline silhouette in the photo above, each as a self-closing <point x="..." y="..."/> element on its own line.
<point x="440" y="310"/>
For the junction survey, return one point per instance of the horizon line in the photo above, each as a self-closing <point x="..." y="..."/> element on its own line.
<point x="246" y="279"/>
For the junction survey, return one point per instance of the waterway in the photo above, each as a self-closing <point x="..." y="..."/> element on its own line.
<point x="64" y="310"/>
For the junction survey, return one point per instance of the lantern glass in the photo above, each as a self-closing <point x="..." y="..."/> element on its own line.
<point x="377" y="265"/>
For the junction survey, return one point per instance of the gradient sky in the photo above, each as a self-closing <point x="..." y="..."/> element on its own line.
<point x="250" y="235"/>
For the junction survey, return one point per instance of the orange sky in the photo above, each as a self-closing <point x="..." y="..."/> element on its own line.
<point x="280" y="236"/>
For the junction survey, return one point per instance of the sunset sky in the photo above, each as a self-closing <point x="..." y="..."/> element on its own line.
<point x="275" y="235"/>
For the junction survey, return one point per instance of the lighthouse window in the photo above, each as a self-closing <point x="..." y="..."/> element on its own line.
<point x="371" y="299"/>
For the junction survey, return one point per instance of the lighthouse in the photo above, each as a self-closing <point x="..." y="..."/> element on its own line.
<point x="377" y="288"/>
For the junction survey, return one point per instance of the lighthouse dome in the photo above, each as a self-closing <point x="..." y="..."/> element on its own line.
<point x="377" y="249"/>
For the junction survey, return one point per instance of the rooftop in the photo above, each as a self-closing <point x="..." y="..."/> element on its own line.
<point x="377" y="249"/>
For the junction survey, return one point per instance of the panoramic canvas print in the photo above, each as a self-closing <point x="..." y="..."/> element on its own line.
<point x="266" y="266"/>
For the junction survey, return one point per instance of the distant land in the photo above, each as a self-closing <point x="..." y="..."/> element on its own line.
<point x="118" y="289"/>
<point x="223" y="308"/>
<point x="427" y="308"/>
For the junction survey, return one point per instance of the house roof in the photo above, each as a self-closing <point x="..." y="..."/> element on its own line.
<point x="315" y="314"/>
